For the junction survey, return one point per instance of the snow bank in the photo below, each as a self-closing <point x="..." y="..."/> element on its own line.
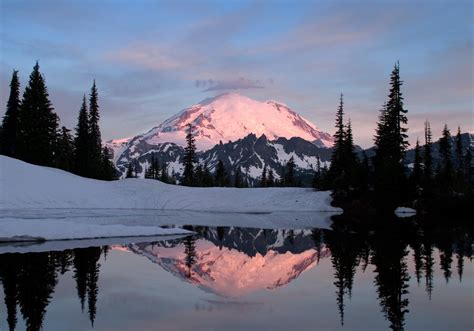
<point x="23" y="185"/>
<point x="405" y="212"/>
<point x="12" y="230"/>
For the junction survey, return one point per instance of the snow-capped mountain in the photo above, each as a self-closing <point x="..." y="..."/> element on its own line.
<point x="234" y="262"/>
<point x="227" y="117"/>
<point x="232" y="116"/>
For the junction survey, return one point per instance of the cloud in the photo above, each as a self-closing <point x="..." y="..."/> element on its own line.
<point x="237" y="84"/>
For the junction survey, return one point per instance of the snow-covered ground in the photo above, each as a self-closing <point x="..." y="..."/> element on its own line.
<point x="23" y="185"/>
<point x="49" y="204"/>
<point x="54" y="229"/>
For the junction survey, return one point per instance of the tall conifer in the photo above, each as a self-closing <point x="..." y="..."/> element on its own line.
<point x="81" y="142"/>
<point x="189" y="158"/>
<point x="10" y="125"/>
<point x="38" y="122"/>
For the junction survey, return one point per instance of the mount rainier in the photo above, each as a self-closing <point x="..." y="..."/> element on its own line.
<point x="231" y="127"/>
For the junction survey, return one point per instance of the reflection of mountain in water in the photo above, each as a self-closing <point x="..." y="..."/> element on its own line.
<point x="233" y="262"/>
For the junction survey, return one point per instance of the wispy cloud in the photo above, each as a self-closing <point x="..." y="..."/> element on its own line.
<point x="237" y="84"/>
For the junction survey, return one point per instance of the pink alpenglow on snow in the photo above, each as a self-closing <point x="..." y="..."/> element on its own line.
<point x="229" y="117"/>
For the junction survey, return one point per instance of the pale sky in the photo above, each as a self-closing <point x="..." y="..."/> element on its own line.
<point x="151" y="59"/>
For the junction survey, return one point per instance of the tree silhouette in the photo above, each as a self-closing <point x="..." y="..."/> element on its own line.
<point x="190" y="253"/>
<point x="392" y="278"/>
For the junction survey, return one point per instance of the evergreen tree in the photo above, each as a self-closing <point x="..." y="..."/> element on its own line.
<point x="108" y="168"/>
<point x="270" y="178"/>
<point x="65" y="150"/>
<point x="289" y="178"/>
<point x="81" y="141"/>
<point x="153" y="171"/>
<point x="207" y="177"/>
<point x="460" y="183"/>
<point x="238" y="178"/>
<point x="130" y="171"/>
<point x="459" y="152"/>
<point x="221" y="178"/>
<point x="190" y="252"/>
<point x="349" y="148"/>
<point x="95" y="141"/>
<point x="316" y="183"/>
<point x="189" y="158"/>
<point x="38" y="122"/>
<point x="337" y="157"/>
<point x="445" y="171"/>
<point x="427" y="160"/>
<point x="198" y="174"/>
<point x="164" y="174"/>
<point x="468" y="168"/>
<point x="10" y="126"/>
<point x="390" y="146"/>
<point x="263" y="180"/>
<point x="417" y="173"/>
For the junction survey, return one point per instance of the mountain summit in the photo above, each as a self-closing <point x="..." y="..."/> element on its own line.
<point x="231" y="116"/>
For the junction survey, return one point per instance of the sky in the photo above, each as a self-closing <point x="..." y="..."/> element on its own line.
<point x="151" y="59"/>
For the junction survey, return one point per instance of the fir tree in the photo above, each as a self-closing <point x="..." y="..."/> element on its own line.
<point x="220" y="175"/>
<point x="95" y="141"/>
<point x="81" y="141"/>
<point x="65" y="150"/>
<point x="427" y="152"/>
<point x="445" y="171"/>
<point x="207" y="177"/>
<point x="108" y="168"/>
<point x="263" y="180"/>
<point x="337" y="158"/>
<point x="238" y="182"/>
<point x="390" y="146"/>
<point x="164" y="174"/>
<point x="153" y="171"/>
<point x="270" y="178"/>
<point x="198" y="175"/>
<point x="289" y="178"/>
<point x="130" y="171"/>
<point x="459" y="152"/>
<point x="417" y="173"/>
<point x="38" y="122"/>
<point x="468" y="168"/>
<point x="349" y="148"/>
<point x="189" y="158"/>
<point x="10" y="126"/>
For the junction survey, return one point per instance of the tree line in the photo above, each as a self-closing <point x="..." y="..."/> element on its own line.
<point x="197" y="174"/>
<point x="384" y="178"/>
<point x="30" y="131"/>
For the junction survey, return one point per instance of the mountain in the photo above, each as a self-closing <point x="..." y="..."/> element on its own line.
<point x="231" y="116"/>
<point x="227" y="117"/>
<point x="234" y="262"/>
<point x="248" y="154"/>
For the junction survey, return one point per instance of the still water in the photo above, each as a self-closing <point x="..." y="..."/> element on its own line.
<point x="229" y="278"/>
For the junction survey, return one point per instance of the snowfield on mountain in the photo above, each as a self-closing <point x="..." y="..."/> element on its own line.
<point x="231" y="116"/>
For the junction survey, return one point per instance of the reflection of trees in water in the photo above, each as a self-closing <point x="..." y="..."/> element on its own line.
<point x="86" y="274"/>
<point x="190" y="252"/>
<point x="392" y="277"/>
<point x="29" y="281"/>
<point x="386" y="248"/>
<point x="345" y="257"/>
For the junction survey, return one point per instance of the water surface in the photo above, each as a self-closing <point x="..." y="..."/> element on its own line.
<point x="230" y="278"/>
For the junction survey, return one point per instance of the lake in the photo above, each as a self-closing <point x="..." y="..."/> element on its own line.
<point x="403" y="276"/>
